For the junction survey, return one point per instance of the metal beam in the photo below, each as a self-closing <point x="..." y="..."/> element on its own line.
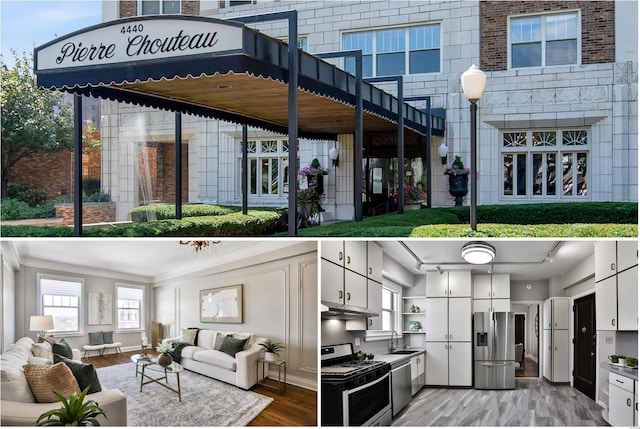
<point x="178" y="164"/>
<point x="77" y="165"/>
<point x="244" y="169"/>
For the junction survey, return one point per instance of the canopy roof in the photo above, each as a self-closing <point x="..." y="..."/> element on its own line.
<point x="213" y="68"/>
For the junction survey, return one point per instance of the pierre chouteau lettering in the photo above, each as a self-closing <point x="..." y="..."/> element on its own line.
<point x="137" y="45"/>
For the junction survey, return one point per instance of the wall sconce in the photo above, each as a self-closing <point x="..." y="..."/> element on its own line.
<point x="443" y="151"/>
<point x="334" y="154"/>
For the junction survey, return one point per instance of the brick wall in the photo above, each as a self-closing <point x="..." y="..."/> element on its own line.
<point x="167" y="172"/>
<point x="130" y="7"/>
<point x="91" y="212"/>
<point x="51" y="172"/>
<point x="191" y="7"/>
<point x="598" y="29"/>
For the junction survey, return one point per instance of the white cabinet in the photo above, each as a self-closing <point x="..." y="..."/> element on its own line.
<point x="459" y="284"/>
<point x="480" y="305"/>
<point x="607" y="308"/>
<point x="621" y="400"/>
<point x="374" y="261"/>
<point x="482" y="286"/>
<point x="605" y="259"/>
<point x="459" y="326"/>
<point x="627" y="254"/>
<point x="628" y="300"/>
<point x="437" y="368"/>
<point x="460" y="364"/>
<point x="340" y="286"/>
<point x="355" y="289"/>
<point x="332" y="251"/>
<point x="356" y="256"/>
<point x="555" y="345"/>
<point x="491" y="292"/>
<point x="437" y="284"/>
<point x="437" y="316"/>
<point x="374" y="303"/>
<point x="417" y="373"/>
<point x="500" y="286"/>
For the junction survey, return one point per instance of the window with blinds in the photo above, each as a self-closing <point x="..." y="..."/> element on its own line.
<point x="130" y="301"/>
<point x="61" y="297"/>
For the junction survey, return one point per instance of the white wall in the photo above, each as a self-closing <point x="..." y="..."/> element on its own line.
<point x="538" y="291"/>
<point x="280" y="303"/>
<point x="626" y="15"/>
<point x="7" y="298"/>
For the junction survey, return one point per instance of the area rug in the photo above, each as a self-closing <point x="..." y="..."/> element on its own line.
<point x="205" y="401"/>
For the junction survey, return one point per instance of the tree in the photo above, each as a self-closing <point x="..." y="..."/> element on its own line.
<point x="32" y="119"/>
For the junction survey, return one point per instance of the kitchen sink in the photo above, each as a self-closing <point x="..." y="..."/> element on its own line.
<point x="403" y="352"/>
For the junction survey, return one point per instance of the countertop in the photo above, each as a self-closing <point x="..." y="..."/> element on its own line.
<point x="395" y="360"/>
<point x="622" y="370"/>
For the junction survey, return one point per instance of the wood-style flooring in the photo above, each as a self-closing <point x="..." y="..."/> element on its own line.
<point x="296" y="407"/>
<point x="534" y="402"/>
<point x="530" y="369"/>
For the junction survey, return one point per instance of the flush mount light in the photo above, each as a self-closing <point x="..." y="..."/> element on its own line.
<point x="477" y="252"/>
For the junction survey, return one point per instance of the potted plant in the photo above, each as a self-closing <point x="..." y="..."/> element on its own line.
<point x="458" y="179"/>
<point x="271" y="350"/>
<point x="309" y="199"/>
<point x="165" y="358"/>
<point x="413" y="197"/>
<point x="314" y="173"/>
<point x="74" y="412"/>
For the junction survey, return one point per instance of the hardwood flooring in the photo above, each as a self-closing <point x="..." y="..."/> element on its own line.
<point x="296" y="407"/>
<point x="530" y="369"/>
<point x="534" y="402"/>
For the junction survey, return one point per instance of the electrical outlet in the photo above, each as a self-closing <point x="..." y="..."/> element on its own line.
<point x="357" y="342"/>
<point x="608" y="340"/>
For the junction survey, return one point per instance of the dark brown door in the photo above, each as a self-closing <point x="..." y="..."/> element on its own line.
<point x="584" y="347"/>
<point x="519" y="329"/>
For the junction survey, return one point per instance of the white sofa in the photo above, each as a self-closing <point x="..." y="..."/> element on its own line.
<point x="18" y="406"/>
<point x="202" y="358"/>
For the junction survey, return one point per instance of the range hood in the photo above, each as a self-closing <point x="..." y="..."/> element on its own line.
<point x="331" y="310"/>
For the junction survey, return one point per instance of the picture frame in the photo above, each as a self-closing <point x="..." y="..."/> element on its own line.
<point x="100" y="308"/>
<point x="222" y="304"/>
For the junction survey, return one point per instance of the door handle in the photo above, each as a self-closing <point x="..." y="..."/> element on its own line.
<point x="348" y="259"/>
<point x="348" y="296"/>
<point x="613" y="322"/>
<point x="370" y="270"/>
<point x="340" y="256"/>
<point x="613" y="266"/>
<point x="340" y="294"/>
<point x="628" y="402"/>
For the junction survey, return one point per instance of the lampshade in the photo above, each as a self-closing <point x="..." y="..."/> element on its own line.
<point x="473" y="82"/>
<point x="41" y="323"/>
<point x="477" y="252"/>
<point x="443" y="150"/>
<point x="334" y="155"/>
<point x="168" y="320"/>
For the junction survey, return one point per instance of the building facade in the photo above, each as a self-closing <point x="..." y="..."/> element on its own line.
<point x="557" y="121"/>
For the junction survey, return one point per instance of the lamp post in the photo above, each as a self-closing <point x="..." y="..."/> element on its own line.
<point x="473" y="83"/>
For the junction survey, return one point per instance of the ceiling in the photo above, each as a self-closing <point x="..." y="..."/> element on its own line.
<point x="154" y="259"/>
<point x="523" y="259"/>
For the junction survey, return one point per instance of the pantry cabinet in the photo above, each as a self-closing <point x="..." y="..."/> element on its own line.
<point x="555" y="340"/>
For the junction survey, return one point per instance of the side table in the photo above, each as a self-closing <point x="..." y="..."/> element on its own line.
<point x="278" y="385"/>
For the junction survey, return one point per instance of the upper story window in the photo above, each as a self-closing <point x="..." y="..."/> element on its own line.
<point x="130" y="306"/>
<point x="231" y="3"/>
<point x="61" y="297"/>
<point x="395" y="51"/>
<point x="160" y="7"/>
<point x="547" y="40"/>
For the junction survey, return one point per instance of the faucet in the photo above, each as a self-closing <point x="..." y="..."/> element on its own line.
<point x="393" y="347"/>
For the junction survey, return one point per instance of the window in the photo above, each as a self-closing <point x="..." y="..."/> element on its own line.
<point x="130" y="301"/>
<point x="159" y="7"/>
<point x="232" y="3"/>
<point x="61" y="297"/>
<point x="532" y="160"/>
<point x="396" y="51"/>
<point x="268" y="167"/>
<point x="390" y="305"/>
<point x="551" y="40"/>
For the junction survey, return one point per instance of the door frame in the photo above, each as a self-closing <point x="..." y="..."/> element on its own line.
<point x="572" y="337"/>
<point x="540" y="351"/>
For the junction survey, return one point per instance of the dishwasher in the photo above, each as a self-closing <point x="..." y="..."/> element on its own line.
<point x="400" y="387"/>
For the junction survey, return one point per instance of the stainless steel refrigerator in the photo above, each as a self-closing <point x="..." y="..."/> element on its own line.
<point x="494" y="350"/>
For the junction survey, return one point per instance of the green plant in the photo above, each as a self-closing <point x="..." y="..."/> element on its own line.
<point x="412" y="195"/>
<point x="33" y="197"/>
<point x="97" y="197"/>
<point x="272" y="347"/>
<point x="13" y="209"/>
<point x="74" y="412"/>
<point x="164" y="348"/>
<point x="90" y="186"/>
<point x="457" y="167"/>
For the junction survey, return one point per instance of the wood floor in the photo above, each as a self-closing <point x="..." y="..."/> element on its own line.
<point x="530" y="369"/>
<point x="296" y="407"/>
<point x="534" y="402"/>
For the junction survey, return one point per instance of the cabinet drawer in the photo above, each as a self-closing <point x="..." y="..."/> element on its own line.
<point x="621" y="381"/>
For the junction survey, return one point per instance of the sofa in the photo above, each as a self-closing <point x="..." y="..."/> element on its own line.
<point x="204" y="357"/>
<point x="18" y="406"/>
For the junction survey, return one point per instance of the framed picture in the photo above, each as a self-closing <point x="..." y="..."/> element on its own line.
<point x="221" y="305"/>
<point x="100" y="308"/>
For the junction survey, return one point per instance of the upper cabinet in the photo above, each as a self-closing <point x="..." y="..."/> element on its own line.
<point x="332" y="251"/>
<point x="448" y="284"/>
<point x="356" y="256"/>
<point x="437" y="284"/>
<point x="374" y="261"/>
<point x="627" y="254"/>
<point x="491" y="292"/>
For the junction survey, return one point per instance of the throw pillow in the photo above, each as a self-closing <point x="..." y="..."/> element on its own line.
<point x="95" y="338"/>
<point x="44" y="380"/>
<point x="39" y="361"/>
<point x="85" y="373"/>
<point x="189" y="336"/>
<point x="49" y="339"/>
<point x="107" y="337"/>
<point x="231" y="346"/>
<point x="42" y="350"/>
<point x="63" y="348"/>
<point x="219" y="340"/>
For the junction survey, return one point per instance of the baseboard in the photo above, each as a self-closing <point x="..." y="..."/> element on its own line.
<point x="301" y="382"/>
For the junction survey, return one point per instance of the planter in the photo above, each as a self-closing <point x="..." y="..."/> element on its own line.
<point x="458" y="186"/>
<point x="91" y="212"/>
<point x="165" y="359"/>
<point x="412" y="206"/>
<point x="316" y="182"/>
<point x="270" y="356"/>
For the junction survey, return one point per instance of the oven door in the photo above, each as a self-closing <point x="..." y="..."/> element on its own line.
<point x="365" y="405"/>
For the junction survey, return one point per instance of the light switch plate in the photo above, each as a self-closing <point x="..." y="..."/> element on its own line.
<point x="357" y="342"/>
<point x="608" y="340"/>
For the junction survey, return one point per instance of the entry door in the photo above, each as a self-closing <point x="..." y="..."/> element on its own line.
<point x="584" y="352"/>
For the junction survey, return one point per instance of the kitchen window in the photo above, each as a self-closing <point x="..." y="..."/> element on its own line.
<point x="61" y="297"/>
<point x="395" y="51"/>
<point x="267" y="173"/>
<point x="130" y="310"/>
<point x="159" y="7"/>
<point x="546" y="40"/>
<point x="545" y="164"/>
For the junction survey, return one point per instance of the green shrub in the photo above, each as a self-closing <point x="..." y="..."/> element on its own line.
<point x="168" y="211"/>
<point x="13" y="209"/>
<point x="540" y="230"/>
<point x="90" y="186"/>
<point x="33" y="197"/>
<point x="97" y="197"/>
<point x="35" y="231"/>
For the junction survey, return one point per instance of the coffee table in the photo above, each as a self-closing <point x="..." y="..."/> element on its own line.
<point x="145" y="367"/>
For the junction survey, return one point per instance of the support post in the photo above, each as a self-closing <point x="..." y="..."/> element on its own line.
<point x="428" y="154"/>
<point x="244" y="169"/>
<point x="178" y="164"/>
<point x="474" y="175"/>
<point x="77" y="165"/>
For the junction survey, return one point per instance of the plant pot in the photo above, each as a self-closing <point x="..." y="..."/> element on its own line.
<point x="458" y="186"/>
<point x="270" y="356"/>
<point x="412" y="206"/>
<point x="316" y="182"/>
<point x="165" y="359"/>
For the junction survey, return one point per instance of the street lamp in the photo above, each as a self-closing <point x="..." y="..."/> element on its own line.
<point x="473" y="82"/>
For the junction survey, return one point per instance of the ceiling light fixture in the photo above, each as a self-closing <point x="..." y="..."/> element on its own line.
<point x="198" y="245"/>
<point x="477" y="252"/>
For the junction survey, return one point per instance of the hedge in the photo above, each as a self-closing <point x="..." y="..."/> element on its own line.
<point x="168" y="211"/>
<point x="541" y="230"/>
<point x="14" y="209"/>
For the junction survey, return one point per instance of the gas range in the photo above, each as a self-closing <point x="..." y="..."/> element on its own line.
<point x="351" y="368"/>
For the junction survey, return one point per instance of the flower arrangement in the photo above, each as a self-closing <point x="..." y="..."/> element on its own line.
<point x="411" y="195"/>
<point x="164" y="348"/>
<point x="307" y="195"/>
<point x="457" y="167"/>
<point x="313" y="169"/>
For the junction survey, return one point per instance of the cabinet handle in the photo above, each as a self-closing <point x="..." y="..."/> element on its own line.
<point x="619" y="381"/>
<point x="348" y="259"/>
<point x="613" y="322"/>
<point x="628" y="402"/>
<point x="493" y="294"/>
<point x="370" y="270"/>
<point x="446" y="337"/>
<point x="348" y="296"/>
<point x="370" y="322"/>
<point x="613" y="266"/>
<point x="445" y="291"/>
<point x="446" y="347"/>
<point x="450" y="337"/>
<point x="340" y="294"/>
<point x="489" y="293"/>
<point x="340" y="256"/>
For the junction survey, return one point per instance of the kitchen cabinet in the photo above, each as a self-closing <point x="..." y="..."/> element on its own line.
<point x="621" y="400"/>
<point x="628" y="300"/>
<point x="417" y="373"/>
<point x="356" y="256"/>
<point x="374" y="262"/>
<point x="460" y="364"/>
<point x="332" y="251"/>
<point x="481" y="305"/>
<point x="437" y="367"/>
<point x="546" y="356"/>
<point x="605" y="259"/>
<point x="560" y="355"/>
<point x="627" y="254"/>
<point x="482" y="286"/>
<point x="555" y="340"/>
<point x="459" y="325"/>
<point x="437" y="317"/>
<point x="459" y="284"/>
<point x="491" y="292"/>
<point x="437" y="284"/>
<point x="340" y="286"/>
<point x="374" y="304"/>
<point x="607" y="308"/>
